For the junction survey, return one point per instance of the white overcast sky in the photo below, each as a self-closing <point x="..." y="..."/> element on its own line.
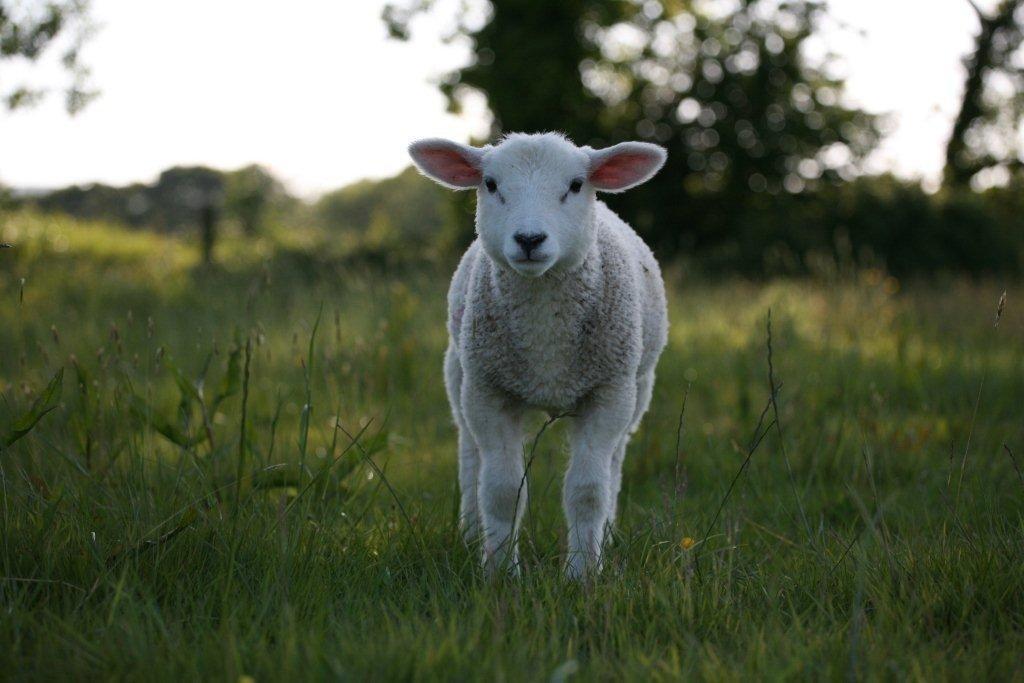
<point x="315" y="91"/>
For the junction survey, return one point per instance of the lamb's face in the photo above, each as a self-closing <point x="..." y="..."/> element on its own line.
<point x="536" y="193"/>
<point x="535" y="206"/>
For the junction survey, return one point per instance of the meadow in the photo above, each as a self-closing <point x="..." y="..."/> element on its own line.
<point x="247" y="472"/>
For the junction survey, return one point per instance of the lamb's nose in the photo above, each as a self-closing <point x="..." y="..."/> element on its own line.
<point x="529" y="242"/>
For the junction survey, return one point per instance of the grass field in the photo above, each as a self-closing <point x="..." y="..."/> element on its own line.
<point x="249" y="471"/>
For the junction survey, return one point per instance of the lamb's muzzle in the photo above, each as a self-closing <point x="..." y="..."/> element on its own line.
<point x="529" y="242"/>
<point x="557" y="305"/>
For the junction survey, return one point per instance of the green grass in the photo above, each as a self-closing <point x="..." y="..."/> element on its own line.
<point x="877" y="530"/>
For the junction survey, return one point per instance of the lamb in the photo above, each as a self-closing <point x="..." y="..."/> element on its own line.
<point x="558" y="305"/>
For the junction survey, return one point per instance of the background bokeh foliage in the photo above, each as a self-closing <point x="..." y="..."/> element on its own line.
<point x="766" y="156"/>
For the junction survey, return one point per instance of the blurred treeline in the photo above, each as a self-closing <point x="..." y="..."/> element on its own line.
<point x="766" y="169"/>
<point x="874" y="220"/>
<point x="400" y="219"/>
<point x="250" y="197"/>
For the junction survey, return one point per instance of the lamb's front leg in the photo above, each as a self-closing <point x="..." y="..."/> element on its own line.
<point x="597" y="434"/>
<point x="497" y="429"/>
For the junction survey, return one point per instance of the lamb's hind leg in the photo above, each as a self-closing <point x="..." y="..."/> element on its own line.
<point x="616" y="481"/>
<point x="598" y="436"/>
<point x="469" y="454"/>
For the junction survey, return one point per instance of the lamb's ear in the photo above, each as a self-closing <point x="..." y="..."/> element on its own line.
<point x="448" y="163"/>
<point x="624" y="165"/>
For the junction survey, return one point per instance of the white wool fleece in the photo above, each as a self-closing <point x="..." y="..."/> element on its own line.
<point x="557" y="306"/>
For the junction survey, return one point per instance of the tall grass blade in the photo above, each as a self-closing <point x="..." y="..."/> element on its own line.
<point x="47" y="401"/>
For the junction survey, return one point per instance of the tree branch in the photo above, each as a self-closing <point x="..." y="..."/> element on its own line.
<point x="977" y="10"/>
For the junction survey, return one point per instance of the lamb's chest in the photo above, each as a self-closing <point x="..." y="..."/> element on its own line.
<point x="539" y="355"/>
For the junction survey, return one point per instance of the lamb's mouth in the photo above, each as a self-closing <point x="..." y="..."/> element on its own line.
<point x="530" y="266"/>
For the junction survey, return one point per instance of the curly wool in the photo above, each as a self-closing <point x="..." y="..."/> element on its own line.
<point x="549" y="342"/>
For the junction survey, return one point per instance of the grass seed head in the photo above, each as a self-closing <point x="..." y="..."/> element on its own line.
<point x="999" y="308"/>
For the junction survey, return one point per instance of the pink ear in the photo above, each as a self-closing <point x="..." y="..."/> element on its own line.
<point x="449" y="163"/>
<point x="624" y="166"/>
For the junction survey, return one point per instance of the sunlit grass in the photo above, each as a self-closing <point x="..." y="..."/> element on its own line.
<point x="125" y="554"/>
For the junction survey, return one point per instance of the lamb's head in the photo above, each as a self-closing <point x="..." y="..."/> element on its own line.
<point x="536" y="193"/>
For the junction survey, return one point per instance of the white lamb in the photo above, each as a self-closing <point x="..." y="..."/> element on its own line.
<point x="558" y="305"/>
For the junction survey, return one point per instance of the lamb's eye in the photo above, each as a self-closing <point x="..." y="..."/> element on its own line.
<point x="575" y="186"/>
<point x="491" y="185"/>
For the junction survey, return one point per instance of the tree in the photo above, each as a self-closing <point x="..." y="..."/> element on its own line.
<point x="725" y="86"/>
<point x="30" y="30"/>
<point x="526" y="59"/>
<point x="209" y="215"/>
<point x="249" y="194"/>
<point x="987" y="128"/>
<point x="186" y="196"/>
<point x="181" y="193"/>
<point x="406" y="209"/>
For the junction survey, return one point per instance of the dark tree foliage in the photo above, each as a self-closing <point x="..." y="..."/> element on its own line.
<point x="400" y="213"/>
<point x="248" y="197"/>
<point x="724" y="86"/>
<point x="183" y="198"/>
<point x="987" y="127"/>
<point x="527" y="59"/>
<point x="131" y="205"/>
<point x="189" y="196"/>
<point x="182" y="193"/>
<point x="28" y="31"/>
<point x="250" y="193"/>
<point x="878" y="220"/>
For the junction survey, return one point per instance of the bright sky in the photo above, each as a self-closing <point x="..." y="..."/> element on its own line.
<point x="315" y="91"/>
